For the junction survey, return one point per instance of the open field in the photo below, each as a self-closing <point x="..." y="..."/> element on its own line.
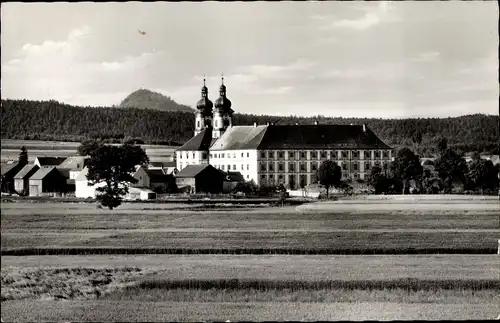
<point x="10" y="149"/>
<point x="112" y="287"/>
<point x="282" y="230"/>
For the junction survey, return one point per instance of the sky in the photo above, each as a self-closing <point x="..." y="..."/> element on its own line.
<point x="348" y="59"/>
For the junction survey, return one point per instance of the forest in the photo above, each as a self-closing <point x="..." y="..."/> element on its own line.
<point x="52" y="120"/>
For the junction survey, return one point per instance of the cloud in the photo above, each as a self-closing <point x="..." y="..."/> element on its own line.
<point x="56" y="70"/>
<point x="369" y="19"/>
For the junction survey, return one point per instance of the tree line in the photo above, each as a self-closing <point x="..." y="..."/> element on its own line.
<point x="52" y="120"/>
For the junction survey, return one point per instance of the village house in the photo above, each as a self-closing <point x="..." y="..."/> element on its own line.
<point x="200" y="179"/>
<point x="9" y="170"/>
<point x="21" y="179"/>
<point x="45" y="181"/>
<point x="70" y="168"/>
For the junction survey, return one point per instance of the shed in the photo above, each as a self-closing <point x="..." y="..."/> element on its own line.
<point x="231" y="180"/>
<point x="46" y="180"/>
<point x="21" y="179"/>
<point x="201" y="178"/>
<point x="9" y="170"/>
<point x="140" y="193"/>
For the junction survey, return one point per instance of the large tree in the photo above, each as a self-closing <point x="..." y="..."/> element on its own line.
<point x="23" y="156"/>
<point x="483" y="174"/>
<point x="87" y="147"/>
<point x="114" y="166"/>
<point x="329" y="174"/>
<point x="451" y="168"/>
<point x="406" y="167"/>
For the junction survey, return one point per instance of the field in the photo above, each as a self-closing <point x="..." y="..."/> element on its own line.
<point x="314" y="277"/>
<point x="36" y="148"/>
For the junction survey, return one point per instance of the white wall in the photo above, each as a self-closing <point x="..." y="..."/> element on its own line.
<point x="242" y="161"/>
<point x="82" y="190"/>
<point x="184" y="158"/>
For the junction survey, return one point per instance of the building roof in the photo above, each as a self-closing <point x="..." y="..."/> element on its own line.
<point x="233" y="177"/>
<point x="50" y="161"/>
<point x="169" y="170"/>
<point x="299" y="137"/>
<point x="26" y="171"/>
<point x="74" y="163"/>
<point x="201" y="141"/>
<point x="239" y="137"/>
<point x="8" y="167"/>
<point x="83" y="175"/>
<point x="42" y="172"/>
<point x="192" y="170"/>
<point x="157" y="175"/>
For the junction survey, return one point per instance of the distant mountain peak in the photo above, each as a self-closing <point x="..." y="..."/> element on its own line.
<point x="147" y="99"/>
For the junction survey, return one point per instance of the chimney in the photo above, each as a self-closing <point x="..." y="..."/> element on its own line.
<point x="364" y="127"/>
<point x="255" y="124"/>
<point x="316" y="123"/>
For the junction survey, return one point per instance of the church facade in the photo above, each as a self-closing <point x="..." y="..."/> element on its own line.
<point x="277" y="154"/>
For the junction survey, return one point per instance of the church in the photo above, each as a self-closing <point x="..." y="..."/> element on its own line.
<point x="277" y="154"/>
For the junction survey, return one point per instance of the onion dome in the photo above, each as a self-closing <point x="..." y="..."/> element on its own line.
<point x="223" y="104"/>
<point x="204" y="105"/>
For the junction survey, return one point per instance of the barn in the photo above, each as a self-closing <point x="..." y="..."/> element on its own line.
<point x="46" y="180"/>
<point x="200" y="178"/>
<point x="21" y="179"/>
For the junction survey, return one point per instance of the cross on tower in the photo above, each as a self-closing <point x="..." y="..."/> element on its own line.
<point x="222" y="75"/>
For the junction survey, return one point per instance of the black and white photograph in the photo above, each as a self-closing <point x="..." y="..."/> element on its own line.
<point x="219" y="161"/>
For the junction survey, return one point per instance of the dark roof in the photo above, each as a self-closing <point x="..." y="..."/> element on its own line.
<point x="201" y="141"/>
<point x="162" y="164"/>
<point x="193" y="170"/>
<point x="301" y="137"/>
<point x="42" y="172"/>
<point x="50" y="161"/>
<point x="156" y="175"/>
<point x="233" y="177"/>
<point x="27" y="171"/>
<point x="9" y="168"/>
<point x="74" y="163"/>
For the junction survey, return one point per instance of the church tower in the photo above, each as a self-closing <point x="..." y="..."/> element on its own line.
<point x="204" y="115"/>
<point x="222" y="115"/>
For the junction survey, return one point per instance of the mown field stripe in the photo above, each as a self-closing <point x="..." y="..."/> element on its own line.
<point x="238" y="251"/>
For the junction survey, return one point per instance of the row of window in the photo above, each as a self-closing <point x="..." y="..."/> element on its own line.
<point x="233" y="168"/>
<point x="193" y="154"/>
<point x="321" y="154"/>
<point x="302" y="167"/>
<point x="229" y="155"/>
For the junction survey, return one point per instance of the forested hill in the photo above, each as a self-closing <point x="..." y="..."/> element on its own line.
<point x="51" y="120"/>
<point x="146" y="99"/>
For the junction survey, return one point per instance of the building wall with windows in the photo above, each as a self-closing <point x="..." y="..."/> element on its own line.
<point x="243" y="161"/>
<point x="184" y="158"/>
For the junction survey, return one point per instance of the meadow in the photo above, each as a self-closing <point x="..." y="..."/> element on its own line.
<point x="37" y="148"/>
<point x="74" y="256"/>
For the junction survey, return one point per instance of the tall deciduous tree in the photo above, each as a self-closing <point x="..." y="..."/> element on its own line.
<point x="329" y="174"/>
<point x="417" y="140"/>
<point x="87" y="147"/>
<point x="451" y="168"/>
<point x="406" y="167"/>
<point x="114" y="166"/>
<point x="23" y="156"/>
<point x="483" y="174"/>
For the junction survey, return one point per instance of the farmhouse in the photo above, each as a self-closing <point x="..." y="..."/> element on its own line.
<point x="46" y="180"/>
<point x="277" y="154"/>
<point x="21" y="180"/>
<point x="70" y="168"/>
<point x="200" y="179"/>
<point x="142" y="177"/>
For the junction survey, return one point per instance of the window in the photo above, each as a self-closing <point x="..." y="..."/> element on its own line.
<point x="222" y="155"/>
<point x="323" y="154"/>
<point x="314" y="166"/>
<point x="290" y="155"/>
<point x="263" y="178"/>
<point x="367" y="155"/>
<point x="377" y="154"/>
<point x="241" y="155"/>
<point x="303" y="154"/>
<point x="248" y="167"/>
<point x="198" y="125"/>
<point x="228" y="167"/>
<point x="281" y="167"/>
<point x="248" y="155"/>
<point x="386" y="154"/>
<point x="271" y="167"/>
<point x="333" y="155"/>
<point x="355" y="165"/>
<point x="187" y="155"/>
<point x="204" y="155"/>
<point x="344" y="154"/>
<point x="281" y="154"/>
<point x="354" y="154"/>
<point x="242" y="167"/>
<point x="280" y="179"/>
<point x="180" y="165"/>
<point x="314" y="154"/>
<point x="344" y="166"/>
<point x="234" y="155"/>
<point x="271" y="154"/>
<point x="211" y="155"/>
<point x="291" y="167"/>
<point x="222" y="167"/>
<point x="367" y="167"/>
<point x="263" y="154"/>
<point x="263" y="167"/>
<point x="248" y="176"/>
<point x="302" y="167"/>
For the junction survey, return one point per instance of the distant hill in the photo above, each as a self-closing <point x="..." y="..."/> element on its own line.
<point x="51" y="120"/>
<point x="146" y="99"/>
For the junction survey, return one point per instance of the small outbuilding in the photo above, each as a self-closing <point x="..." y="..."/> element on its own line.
<point x="201" y="179"/>
<point x="21" y="179"/>
<point x="140" y="193"/>
<point x="46" y="180"/>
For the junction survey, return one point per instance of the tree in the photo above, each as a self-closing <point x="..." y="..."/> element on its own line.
<point x="483" y="174"/>
<point x="329" y="174"/>
<point x="442" y="144"/>
<point x="87" y="147"/>
<point x="417" y="140"/>
<point x="114" y="166"/>
<point x="406" y="167"/>
<point x="451" y="168"/>
<point x="23" y="156"/>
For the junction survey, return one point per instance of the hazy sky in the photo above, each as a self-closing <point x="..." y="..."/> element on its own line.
<point x="373" y="59"/>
